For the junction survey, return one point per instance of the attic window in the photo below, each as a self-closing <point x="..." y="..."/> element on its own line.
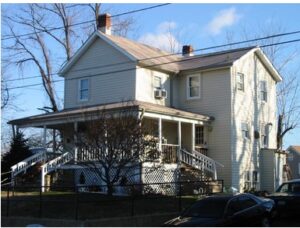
<point x="83" y="89"/>
<point x="157" y="82"/>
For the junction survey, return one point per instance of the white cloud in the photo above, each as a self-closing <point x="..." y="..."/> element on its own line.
<point x="225" y="18"/>
<point x="163" y="38"/>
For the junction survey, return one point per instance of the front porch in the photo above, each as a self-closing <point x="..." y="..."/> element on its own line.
<point x="181" y="137"/>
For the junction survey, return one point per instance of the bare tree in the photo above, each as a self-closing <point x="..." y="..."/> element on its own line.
<point x="114" y="145"/>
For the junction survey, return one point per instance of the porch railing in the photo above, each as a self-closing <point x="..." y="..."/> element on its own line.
<point x="169" y="153"/>
<point x="28" y="162"/>
<point x="202" y="150"/>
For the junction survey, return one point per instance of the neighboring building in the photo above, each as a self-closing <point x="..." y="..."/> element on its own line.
<point x="221" y="106"/>
<point x="293" y="161"/>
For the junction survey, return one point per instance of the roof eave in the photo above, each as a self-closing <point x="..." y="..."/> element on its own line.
<point x="275" y="74"/>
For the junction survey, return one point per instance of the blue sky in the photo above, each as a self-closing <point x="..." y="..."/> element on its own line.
<point x="200" y="25"/>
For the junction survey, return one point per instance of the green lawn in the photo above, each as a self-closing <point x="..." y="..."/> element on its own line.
<point x="89" y="205"/>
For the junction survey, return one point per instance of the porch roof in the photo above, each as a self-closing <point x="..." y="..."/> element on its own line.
<point x="76" y="114"/>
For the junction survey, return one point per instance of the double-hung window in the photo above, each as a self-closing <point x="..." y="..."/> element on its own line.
<point x="199" y="135"/>
<point x="264" y="136"/>
<point x="157" y="82"/>
<point x="245" y="131"/>
<point x="263" y="91"/>
<point x="193" y="87"/>
<point x="240" y="84"/>
<point x="83" y="89"/>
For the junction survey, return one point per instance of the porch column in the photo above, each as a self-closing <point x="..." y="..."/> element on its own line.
<point x="45" y="136"/>
<point x="75" y="141"/>
<point x="159" y="134"/>
<point x="193" y="136"/>
<point x="179" y="134"/>
<point x="13" y="130"/>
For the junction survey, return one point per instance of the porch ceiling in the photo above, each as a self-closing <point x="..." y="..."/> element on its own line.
<point x="57" y="119"/>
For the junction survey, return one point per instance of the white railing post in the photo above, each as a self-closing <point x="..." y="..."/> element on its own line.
<point x="193" y="136"/>
<point x="159" y="134"/>
<point x="43" y="178"/>
<point x="75" y="141"/>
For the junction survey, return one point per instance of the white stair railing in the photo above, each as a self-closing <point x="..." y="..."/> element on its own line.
<point x="200" y="161"/>
<point x="54" y="164"/>
<point x="22" y="166"/>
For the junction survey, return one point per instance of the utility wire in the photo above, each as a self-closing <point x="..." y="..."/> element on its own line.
<point x="85" y="22"/>
<point x="174" y="54"/>
<point x="159" y="64"/>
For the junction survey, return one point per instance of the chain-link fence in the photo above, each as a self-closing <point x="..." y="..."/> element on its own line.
<point x="92" y="202"/>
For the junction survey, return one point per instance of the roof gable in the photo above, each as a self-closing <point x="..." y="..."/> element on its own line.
<point x="80" y="52"/>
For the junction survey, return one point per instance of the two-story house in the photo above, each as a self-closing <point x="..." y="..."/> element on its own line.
<point x="217" y="108"/>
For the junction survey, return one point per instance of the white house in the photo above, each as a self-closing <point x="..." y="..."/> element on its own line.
<point x="217" y="109"/>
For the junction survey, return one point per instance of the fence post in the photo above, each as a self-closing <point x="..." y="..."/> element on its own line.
<point x="76" y="206"/>
<point x="179" y="199"/>
<point x="7" y="202"/>
<point x="132" y="200"/>
<point x="40" y="206"/>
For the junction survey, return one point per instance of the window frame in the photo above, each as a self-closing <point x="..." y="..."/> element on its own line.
<point x="263" y="91"/>
<point x="247" y="130"/>
<point x="188" y="87"/>
<point x="160" y="82"/>
<point x="199" y="135"/>
<point x="264" y="136"/>
<point x="238" y="82"/>
<point x="80" y="89"/>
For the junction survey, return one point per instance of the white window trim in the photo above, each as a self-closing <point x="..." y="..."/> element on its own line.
<point x="188" y="87"/>
<point x="248" y="128"/>
<point x="79" y="89"/>
<point x="161" y="84"/>
<point x="237" y="81"/>
<point x="265" y="90"/>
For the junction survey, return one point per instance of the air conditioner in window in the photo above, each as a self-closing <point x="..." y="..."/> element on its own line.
<point x="160" y="93"/>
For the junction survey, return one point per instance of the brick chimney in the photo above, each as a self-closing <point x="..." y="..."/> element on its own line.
<point x="187" y="50"/>
<point x="104" y="23"/>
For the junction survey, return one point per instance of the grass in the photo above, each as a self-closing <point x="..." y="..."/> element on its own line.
<point x="62" y="205"/>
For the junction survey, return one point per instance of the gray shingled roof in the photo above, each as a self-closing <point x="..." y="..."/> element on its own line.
<point x="68" y="114"/>
<point x="150" y="56"/>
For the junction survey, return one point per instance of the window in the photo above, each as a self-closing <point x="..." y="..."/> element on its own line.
<point x="299" y="168"/>
<point x="245" y="131"/>
<point x="193" y="87"/>
<point x="264" y="136"/>
<point x="83" y="89"/>
<point x="240" y="81"/>
<point x="255" y="179"/>
<point x="199" y="135"/>
<point x="291" y="157"/>
<point x="157" y="82"/>
<point x="247" y="180"/>
<point x="263" y="91"/>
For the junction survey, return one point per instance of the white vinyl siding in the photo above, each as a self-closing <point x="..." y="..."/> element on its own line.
<point x="108" y="84"/>
<point x="215" y="102"/>
<point x="83" y="89"/>
<point x="240" y="81"/>
<point x="193" y="87"/>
